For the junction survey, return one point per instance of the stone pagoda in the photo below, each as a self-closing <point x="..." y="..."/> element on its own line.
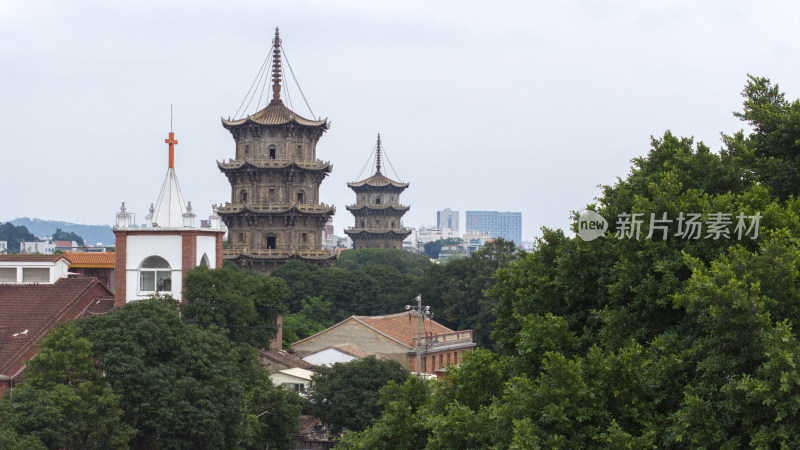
<point x="378" y="211"/>
<point x="275" y="214"/>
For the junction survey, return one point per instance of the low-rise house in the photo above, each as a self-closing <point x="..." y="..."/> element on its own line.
<point x="295" y="378"/>
<point x="23" y="268"/>
<point x="393" y="336"/>
<point x="276" y="359"/>
<point x="95" y="264"/>
<point x="41" y="247"/>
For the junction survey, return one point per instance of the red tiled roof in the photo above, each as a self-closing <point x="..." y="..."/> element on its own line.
<point x="91" y="259"/>
<point x="352" y="351"/>
<point x="289" y="360"/>
<point x="99" y="307"/>
<point x="63" y="243"/>
<point x="29" y="311"/>
<point x="401" y="326"/>
<point x="30" y="258"/>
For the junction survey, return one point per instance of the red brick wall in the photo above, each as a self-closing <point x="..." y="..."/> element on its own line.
<point x="120" y="272"/>
<point x="188" y="254"/>
<point x="219" y="250"/>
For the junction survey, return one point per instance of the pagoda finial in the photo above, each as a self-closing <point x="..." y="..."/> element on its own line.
<point x="378" y="156"/>
<point x="276" y="68"/>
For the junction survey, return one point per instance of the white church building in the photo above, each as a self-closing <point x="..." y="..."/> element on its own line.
<point x="153" y="259"/>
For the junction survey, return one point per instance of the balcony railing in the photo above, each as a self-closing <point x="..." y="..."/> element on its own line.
<point x="445" y="338"/>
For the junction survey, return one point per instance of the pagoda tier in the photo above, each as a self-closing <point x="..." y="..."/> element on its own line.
<point x="274" y="214"/>
<point x="378" y="213"/>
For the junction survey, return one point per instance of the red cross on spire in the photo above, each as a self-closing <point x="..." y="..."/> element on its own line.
<point x="171" y="141"/>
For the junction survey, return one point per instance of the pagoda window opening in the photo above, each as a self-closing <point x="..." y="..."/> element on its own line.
<point x="304" y="238"/>
<point x="272" y="153"/>
<point x="241" y="238"/>
<point x="247" y="150"/>
<point x="155" y="275"/>
<point x="362" y="224"/>
<point x="392" y="224"/>
<point x="299" y="152"/>
<point x="272" y="195"/>
<point x="301" y="197"/>
<point x="377" y="200"/>
<point x="243" y="196"/>
<point x="271" y="242"/>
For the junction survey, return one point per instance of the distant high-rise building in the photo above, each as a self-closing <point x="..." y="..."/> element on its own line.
<point x="447" y="219"/>
<point x="507" y="225"/>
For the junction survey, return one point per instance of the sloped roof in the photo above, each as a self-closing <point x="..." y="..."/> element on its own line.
<point x="287" y="359"/>
<point x="298" y="373"/>
<point x="402" y="326"/>
<point x="99" y="307"/>
<point x="29" y="311"/>
<point x="352" y="351"/>
<point x="378" y="180"/>
<point x="63" y="243"/>
<point x="170" y="206"/>
<point x="276" y="113"/>
<point x="399" y="327"/>
<point x="91" y="259"/>
<point x="23" y="257"/>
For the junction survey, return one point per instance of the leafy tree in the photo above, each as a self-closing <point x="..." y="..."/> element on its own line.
<point x="311" y="319"/>
<point x="345" y="395"/>
<point x="14" y="235"/>
<point x="649" y="342"/>
<point x="433" y="248"/>
<point x="182" y="385"/>
<point x="65" y="401"/>
<point x="246" y="303"/>
<point x="68" y="236"/>
<point x="401" y="425"/>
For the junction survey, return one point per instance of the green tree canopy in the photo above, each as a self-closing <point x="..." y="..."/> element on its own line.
<point x="345" y="395"/>
<point x="14" y="235"/>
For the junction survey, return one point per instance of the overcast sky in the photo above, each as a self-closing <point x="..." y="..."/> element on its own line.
<point x="510" y="106"/>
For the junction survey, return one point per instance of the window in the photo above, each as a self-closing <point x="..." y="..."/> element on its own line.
<point x="246" y="150"/>
<point x="424" y="364"/>
<point x="35" y="275"/>
<point x="392" y="225"/>
<point x="455" y="357"/>
<point x="299" y="387"/>
<point x="377" y="200"/>
<point x="377" y="221"/>
<point x="8" y="275"/>
<point x="362" y="224"/>
<point x="448" y="358"/>
<point x="441" y="360"/>
<point x="301" y="196"/>
<point x="270" y="242"/>
<point x="155" y="275"/>
<point x="272" y="153"/>
<point x="299" y="152"/>
<point x="272" y="195"/>
<point x="304" y="238"/>
<point x="243" y="196"/>
<point x="241" y="238"/>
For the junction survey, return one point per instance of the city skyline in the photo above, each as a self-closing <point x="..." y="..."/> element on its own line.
<point x="512" y="107"/>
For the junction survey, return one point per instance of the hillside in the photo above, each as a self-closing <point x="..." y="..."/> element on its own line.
<point x="92" y="234"/>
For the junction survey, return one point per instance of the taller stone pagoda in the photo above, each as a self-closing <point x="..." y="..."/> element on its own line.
<point x="275" y="214"/>
<point x="377" y="211"/>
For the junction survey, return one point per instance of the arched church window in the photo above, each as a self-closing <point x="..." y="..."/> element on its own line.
<point x="272" y="153"/>
<point x="204" y="260"/>
<point x="243" y="196"/>
<point x="155" y="275"/>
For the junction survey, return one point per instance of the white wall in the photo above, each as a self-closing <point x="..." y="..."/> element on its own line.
<point x="138" y="248"/>
<point x="207" y="245"/>
<point x="328" y="357"/>
<point x="57" y="270"/>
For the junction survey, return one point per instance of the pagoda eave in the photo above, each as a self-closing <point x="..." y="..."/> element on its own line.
<point x="235" y="210"/>
<point x="377" y="208"/>
<point x="234" y="165"/>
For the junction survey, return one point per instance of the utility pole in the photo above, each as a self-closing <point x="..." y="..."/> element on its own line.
<point x="421" y="313"/>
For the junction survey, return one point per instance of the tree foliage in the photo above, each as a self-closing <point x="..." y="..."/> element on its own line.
<point x="14" y="235"/>
<point x="243" y="302"/>
<point x="143" y="377"/>
<point x="645" y="343"/>
<point x="59" y="235"/>
<point x="346" y="395"/>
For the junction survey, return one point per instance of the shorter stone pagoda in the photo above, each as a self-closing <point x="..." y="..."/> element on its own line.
<point x="378" y="212"/>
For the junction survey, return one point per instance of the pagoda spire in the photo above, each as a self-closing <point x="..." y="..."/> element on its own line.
<point x="276" y="68"/>
<point x="378" y="156"/>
